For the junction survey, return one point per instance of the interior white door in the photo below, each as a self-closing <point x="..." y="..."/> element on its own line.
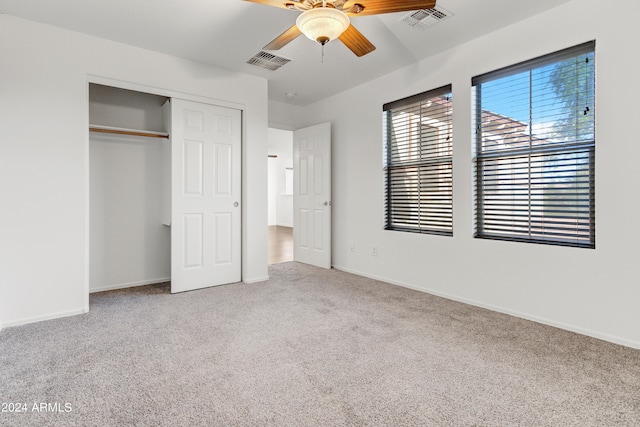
<point x="312" y="195"/>
<point x="205" y="195"/>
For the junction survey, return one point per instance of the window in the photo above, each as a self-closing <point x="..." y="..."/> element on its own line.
<point x="534" y="150"/>
<point x="418" y="163"/>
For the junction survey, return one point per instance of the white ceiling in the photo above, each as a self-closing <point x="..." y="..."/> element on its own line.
<point x="226" y="33"/>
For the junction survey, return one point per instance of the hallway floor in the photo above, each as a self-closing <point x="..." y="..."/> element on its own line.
<point x="280" y="244"/>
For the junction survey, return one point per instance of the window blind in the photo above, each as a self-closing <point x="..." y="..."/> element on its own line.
<point x="418" y="164"/>
<point x="535" y="150"/>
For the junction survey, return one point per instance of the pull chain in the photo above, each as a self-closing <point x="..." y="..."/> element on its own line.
<point x="324" y="4"/>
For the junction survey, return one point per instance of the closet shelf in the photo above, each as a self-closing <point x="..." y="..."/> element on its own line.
<point x="124" y="131"/>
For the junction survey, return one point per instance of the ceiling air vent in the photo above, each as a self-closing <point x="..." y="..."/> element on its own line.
<point x="425" y="18"/>
<point x="268" y="61"/>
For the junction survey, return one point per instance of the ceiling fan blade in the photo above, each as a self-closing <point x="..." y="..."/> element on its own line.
<point x="283" y="39"/>
<point x="375" y="7"/>
<point x="276" y="3"/>
<point x="356" y="42"/>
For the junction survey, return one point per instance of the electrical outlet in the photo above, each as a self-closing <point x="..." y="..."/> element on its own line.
<point x="374" y="251"/>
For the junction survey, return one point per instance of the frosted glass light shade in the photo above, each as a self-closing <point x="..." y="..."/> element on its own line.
<point x="322" y="24"/>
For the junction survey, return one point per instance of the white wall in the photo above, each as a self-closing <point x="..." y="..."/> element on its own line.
<point x="272" y="195"/>
<point x="285" y="116"/>
<point x="594" y="292"/>
<point x="129" y="245"/>
<point x="112" y="106"/>
<point x="280" y="203"/>
<point x="44" y="156"/>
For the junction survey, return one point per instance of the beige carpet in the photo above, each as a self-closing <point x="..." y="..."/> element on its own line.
<point x="309" y="348"/>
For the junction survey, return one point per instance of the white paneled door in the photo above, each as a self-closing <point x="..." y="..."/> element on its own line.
<point x="312" y="195"/>
<point x="205" y="192"/>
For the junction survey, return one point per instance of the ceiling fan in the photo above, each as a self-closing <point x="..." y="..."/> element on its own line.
<point x="327" y="20"/>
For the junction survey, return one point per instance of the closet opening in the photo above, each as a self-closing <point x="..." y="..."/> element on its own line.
<point x="130" y="189"/>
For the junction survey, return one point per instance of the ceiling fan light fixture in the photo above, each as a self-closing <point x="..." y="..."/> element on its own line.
<point x="322" y="24"/>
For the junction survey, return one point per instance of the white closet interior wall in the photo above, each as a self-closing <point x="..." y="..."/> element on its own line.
<point x="130" y="246"/>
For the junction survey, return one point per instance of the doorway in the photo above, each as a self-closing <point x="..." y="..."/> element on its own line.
<point x="300" y="195"/>
<point x="280" y="195"/>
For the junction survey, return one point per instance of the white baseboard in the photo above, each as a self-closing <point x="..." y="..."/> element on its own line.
<point x="256" y="279"/>
<point x="572" y="328"/>
<point x="129" y="285"/>
<point x="27" y="320"/>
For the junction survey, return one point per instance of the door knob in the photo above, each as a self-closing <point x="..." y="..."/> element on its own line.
<point x="235" y="204"/>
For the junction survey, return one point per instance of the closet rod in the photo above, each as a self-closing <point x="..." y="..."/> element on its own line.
<point x="123" y="131"/>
